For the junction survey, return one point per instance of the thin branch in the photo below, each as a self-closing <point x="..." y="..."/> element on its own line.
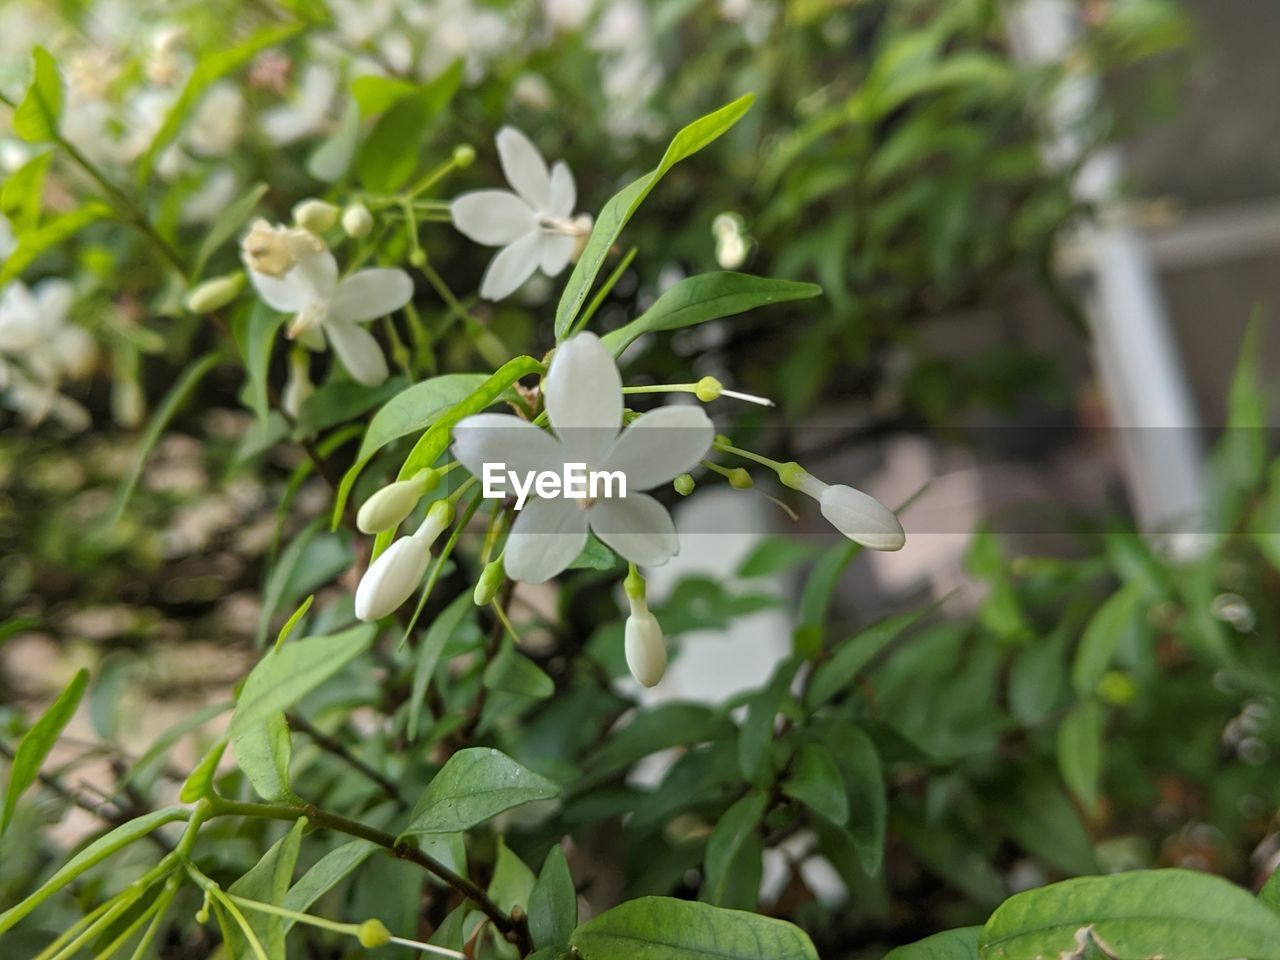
<point x="339" y="749"/>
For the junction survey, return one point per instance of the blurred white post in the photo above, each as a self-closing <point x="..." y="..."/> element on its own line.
<point x="1136" y="355"/>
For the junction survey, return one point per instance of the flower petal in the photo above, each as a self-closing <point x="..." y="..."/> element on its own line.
<point x="524" y="167"/>
<point x="862" y="518"/>
<point x="317" y="273"/>
<point x="285" y="294"/>
<point x="547" y="536"/>
<point x="637" y="527"/>
<point x="583" y="396"/>
<point x="502" y="438"/>
<point x="358" y="351"/>
<point x="563" y="192"/>
<point x="492" y="217"/>
<point x="392" y="578"/>
<point x="658" y="446"/>
<point x="513" y="265"/>
<point x="370" y="293"/>
<point x="554" y="251"/>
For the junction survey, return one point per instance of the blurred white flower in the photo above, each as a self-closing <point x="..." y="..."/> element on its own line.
<point x="324" y="307"/>
<point x="39" y="348"/>
<point x="360" y="21"/>
<point x="211" y="197"/>
<point x="567" y="15"/>
<point x="534" y="225"/>
<point x="583" y="396"/>
<point x="460" y="30"/>
<point x="215" y="129"/>
<point x="8" y="242"/>
<point x="307" y="114"/>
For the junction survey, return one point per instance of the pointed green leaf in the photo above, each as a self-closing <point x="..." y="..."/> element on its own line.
<point x="199" y="782"/>
<point x="36" y="743"/>
<point x="732" y="864"/>
<point x="553" y="904"/>
<point x="474" y="785"/>
<point x="267" y="882"/>
<point x="959" y="944"/>
<point x="36" y="117"/>
<point x="262" y="751"/>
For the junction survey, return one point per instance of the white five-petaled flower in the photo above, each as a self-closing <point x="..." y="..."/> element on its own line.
<point x="534" y="225"/>
<point x="325" y="307"/>
<point x="583" y="396"/>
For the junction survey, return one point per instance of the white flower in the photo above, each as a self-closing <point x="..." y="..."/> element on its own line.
<point x="211" y="197"/>
<point x="392" y="578"/>
<point x="308" y="113"/>
<point x="44" y="348"/>
<point x="325" y="307"/>
<point x="859" y="516"/>
<point x="534" y="225"/>
<point x="215" y="129"/>
<point x="583" y="396"/>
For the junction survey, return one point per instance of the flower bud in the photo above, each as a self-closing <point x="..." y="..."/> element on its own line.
<point x="862" y="518"/>
<point x="490" y="581"/>
<point x="215" y="293"/>
<point x="708" y="389"/>
<point x="439" y="516"/>
<point x="315" y="215"/>
<point x="357" y="221"/>
<point x="387" y="508"/>
<point x="418" y="257"/>
<point x="739" y="479"/>
<point x="392" y="578"/>
<point x="683" y="484"/>
<point x="463" y="155"/>
<point x="373" y="933"/>
<point x="298" y="388"/>
<point x="644" y="646"/>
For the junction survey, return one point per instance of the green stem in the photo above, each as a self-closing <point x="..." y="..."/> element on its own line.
<point x="164" y="900"/>
<point x="490" y="347"/>
<point x="726" y="447"/>
<point x="585" y="317"/>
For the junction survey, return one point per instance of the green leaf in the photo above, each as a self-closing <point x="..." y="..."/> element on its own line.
<point x="1037" y="679"/>
<point x="1042" y="820"/>
<point x="863" y="776"/>
<point x="328" y="871"/>
<point x="51" y="233"/>
<point x="1080" y="753"/>
<point x="959" y="944"/>
<point x="438" y="634"/>
<point x="732" y="864"/>
<point x="267" y="882"/>
<point x="342" y="401"/>
<point x="670" y="725"/>
<point x="816" y="782"/>
<point x="512" y="881"/>
<point x="1111" y="628"/>
<point x="513" y="672"/>
<point x="816" y="597"/>
<point x="294" y="619"/>
<point x="615" y="214"/>
<point x="434" y="409"/>
<point x="474" y="785"/>
<point x="262" y="751"/>
<point x="256" y="336"/>
<point x="23" y="192"/>
<point x="1270" y="892"/>
<point x="105" y="846"/>
<point x="758" y="727"/>
<point x="660" y="928"/>
<point x="1146" y="913"/>
<point x="285" y="676"/>
<point x="208" y="71"/>
<point x="36" y="743"/>
<point x="594" y="556"/>
<point x="331" y="160"/>
<point x="199" y="782"/>
<point x="836" y="674"/>
<point x="707" y="296"/>
<point x="775" y="555"/>
<point x="393" y="150"/>
<point x="375" y="94"/>
<point x="227" y="224"/>
<point x="36" y="117"/>
<point x="553" y="904"/>
<point x="178" y="394"/>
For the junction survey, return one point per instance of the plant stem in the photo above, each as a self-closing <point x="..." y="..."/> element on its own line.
<point x="338" y="749"/>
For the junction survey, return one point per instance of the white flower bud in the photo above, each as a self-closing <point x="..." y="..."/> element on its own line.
<point x="357" y="221"/>
<point x="392" y="578"/>
<point x="644" y="646"/>
<point x="298" y="388"/>
<point x="387" y="508"/>
<point x="439" y="516"/>
<point x="315" y="215"/>
<point x="215" y="293"/>
<point x="862" y="518"/>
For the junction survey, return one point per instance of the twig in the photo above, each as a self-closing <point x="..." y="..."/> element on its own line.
<point x="339" y="749"/>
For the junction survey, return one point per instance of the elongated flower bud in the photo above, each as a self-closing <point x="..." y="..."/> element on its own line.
<point x="387" y="508"/>
<point x="315" y="215"/>
<point x="392" y="578"/>
<point x="298" y="388"/>
<point x="490" y="581"/>
<point x="645" y="647"/>
<point x="215" y="293"/>
<point x="859" y="516"/>
<point x="357" y="221"/>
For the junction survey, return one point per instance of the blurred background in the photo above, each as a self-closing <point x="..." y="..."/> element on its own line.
<point x="1042" y="229"/>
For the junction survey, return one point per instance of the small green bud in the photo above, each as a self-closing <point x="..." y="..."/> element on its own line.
<point x="793" y="475"/>
<point x="1117" y="689"/>
<point x="315" y="215"/>
<point x="428" y="478"/>
<point x="418" y="257"/>
<point x="357" y="221"/>
<point x="373" y="933"/>
<point x="684" y="484"/>
<point x="708" y="389"/>
<point x="490" y="581"/>
<point x="463" y="155"/>
<point x="721" y="440"/>
<point x="739" y="479"/>
<point x="202" y="915"/>
<point x="215" y="293"/>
